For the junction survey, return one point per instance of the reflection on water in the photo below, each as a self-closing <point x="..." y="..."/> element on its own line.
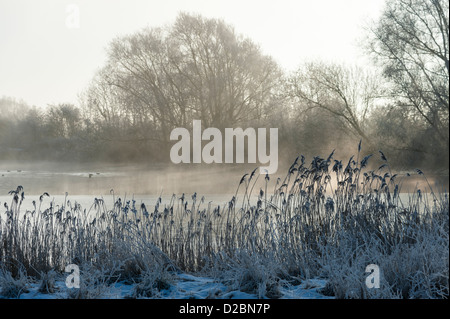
<point x="99" y="180"/>
<point x="147" y="183"/>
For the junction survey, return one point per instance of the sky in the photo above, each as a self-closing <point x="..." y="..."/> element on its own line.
<point x="49" y="56"/>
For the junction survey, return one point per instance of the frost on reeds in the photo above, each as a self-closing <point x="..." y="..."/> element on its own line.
<point x="326" y="218"/>
<point x="12" y="287"/>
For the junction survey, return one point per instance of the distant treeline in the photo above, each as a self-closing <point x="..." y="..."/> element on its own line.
<point x="197" y="68"/>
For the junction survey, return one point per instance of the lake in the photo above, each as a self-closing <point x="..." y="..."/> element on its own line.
<point x="144" y="183"/>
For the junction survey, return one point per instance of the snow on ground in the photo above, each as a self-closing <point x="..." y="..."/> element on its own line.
<point x="187" y="287"/>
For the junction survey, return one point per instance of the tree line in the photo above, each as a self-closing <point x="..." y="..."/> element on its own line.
<point x="157" y="79"/>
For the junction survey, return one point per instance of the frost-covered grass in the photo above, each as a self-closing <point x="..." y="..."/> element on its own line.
<point x="183" y="286"/>
<point x="325" y="221"/>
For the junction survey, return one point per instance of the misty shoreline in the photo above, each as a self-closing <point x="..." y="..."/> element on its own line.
<point x="155" y="178"/>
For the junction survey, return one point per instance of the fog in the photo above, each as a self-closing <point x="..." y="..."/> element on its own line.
<point x="139" y="179"/>
<point x="117" y="137"/>
<point x="104" y="179"/>
<point x="101" y="178"/>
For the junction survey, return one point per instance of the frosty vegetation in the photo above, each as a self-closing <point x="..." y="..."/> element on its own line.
<point x="327" y="219"/>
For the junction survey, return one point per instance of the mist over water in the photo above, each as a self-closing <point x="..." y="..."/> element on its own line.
<point x="153" y="180"/>
<point x="139" y="179"/>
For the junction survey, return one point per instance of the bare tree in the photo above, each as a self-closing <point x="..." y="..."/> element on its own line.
<point x="230" y="80"/>
<point x="411" y="43"/>
<point x="63" y="120"/>
<point x="347" y="92"/>
<point x="197" y="68"/>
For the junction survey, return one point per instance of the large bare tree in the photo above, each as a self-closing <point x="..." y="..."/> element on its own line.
<point x="411" y="43"/>
<point x="349" y="93"/>
<point x="197" y="68"/>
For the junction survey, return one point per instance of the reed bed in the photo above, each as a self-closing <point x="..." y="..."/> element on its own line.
<point x="326" y="218"/>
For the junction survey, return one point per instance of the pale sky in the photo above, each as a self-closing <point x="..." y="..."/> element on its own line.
<point x="42" y="61"/>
